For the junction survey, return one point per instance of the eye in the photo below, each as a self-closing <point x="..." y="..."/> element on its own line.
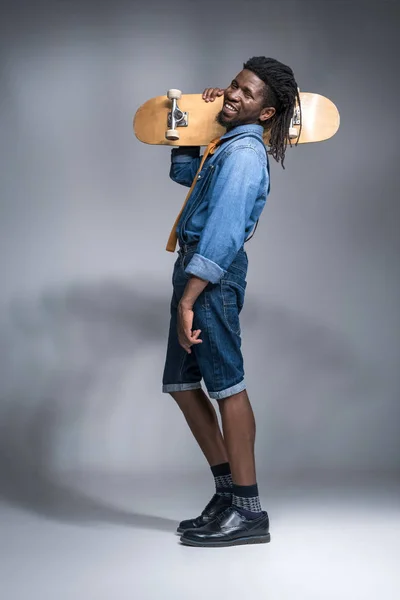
<point x="234" y="84"/>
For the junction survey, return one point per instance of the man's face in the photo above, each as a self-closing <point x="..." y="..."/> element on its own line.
<point x="243" y="102"/>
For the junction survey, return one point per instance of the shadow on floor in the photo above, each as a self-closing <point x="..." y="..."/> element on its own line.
<point x="54" y="350"/>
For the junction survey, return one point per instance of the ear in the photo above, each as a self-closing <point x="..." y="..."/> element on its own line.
<point x="267" y="113"/>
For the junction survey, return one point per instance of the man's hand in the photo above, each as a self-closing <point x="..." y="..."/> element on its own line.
<point x="186" y="336"/>
<point x="210" y="94"/>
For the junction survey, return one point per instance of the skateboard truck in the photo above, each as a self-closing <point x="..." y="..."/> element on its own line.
<point x="295" y="120"/>
<point x="176" y="118"/>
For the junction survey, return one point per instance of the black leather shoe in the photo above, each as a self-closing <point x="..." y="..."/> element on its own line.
<point x="230" y="528"/>
<point x="215" y="507"/>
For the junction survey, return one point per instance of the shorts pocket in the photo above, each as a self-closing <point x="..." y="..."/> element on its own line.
<point x="233" y="294"/>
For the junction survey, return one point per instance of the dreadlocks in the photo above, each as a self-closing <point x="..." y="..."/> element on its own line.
<point x="281" y="92"/>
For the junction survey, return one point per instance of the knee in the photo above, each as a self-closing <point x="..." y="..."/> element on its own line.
<point x="232" y="400"/>
<point x="183" y="395"/>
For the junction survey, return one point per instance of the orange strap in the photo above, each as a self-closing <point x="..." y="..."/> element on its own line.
<point x="173" y="238"/>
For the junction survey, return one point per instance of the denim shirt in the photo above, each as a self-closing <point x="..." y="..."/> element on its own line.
<point x="227" y="200"/>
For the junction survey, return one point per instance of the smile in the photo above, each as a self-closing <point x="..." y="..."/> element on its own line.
<point x="228" y="108"/>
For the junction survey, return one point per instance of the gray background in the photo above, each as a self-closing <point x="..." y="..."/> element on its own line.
<point x="86" y="211"/>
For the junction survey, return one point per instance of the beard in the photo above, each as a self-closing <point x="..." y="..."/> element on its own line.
<point x="228" y="124"/>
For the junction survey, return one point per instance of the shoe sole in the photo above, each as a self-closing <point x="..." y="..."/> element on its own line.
<point x="182" y="530"/>
<point x="255" y="539"/>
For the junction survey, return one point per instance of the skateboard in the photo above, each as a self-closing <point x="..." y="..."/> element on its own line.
<point x="178" y="119"/>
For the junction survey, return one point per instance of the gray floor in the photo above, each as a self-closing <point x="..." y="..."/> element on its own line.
<point x="101" y="537"/>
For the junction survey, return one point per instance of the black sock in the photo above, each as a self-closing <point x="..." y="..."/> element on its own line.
<point x="223" y="479"/>
<point x="245" y="499"/>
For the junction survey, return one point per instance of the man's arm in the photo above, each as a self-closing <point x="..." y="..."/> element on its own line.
<point x="186" y="335"/>
<point x="186" y="160"/>
<point x="231" y="202"/>
<point x="184" y="164"/>
<point x="193" y="289"/>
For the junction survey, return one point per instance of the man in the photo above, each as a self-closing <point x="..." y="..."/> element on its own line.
<point x="209" y="282"/>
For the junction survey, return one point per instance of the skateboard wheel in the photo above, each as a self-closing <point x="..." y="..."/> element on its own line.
<point x="172" y="134"/>
<point x="174" y="94"/>
<point x="293" y="134"/>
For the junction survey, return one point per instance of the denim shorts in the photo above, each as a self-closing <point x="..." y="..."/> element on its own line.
<point x="218" y="361"/>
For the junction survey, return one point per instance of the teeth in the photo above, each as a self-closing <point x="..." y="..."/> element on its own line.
<point x="230" y="106"/>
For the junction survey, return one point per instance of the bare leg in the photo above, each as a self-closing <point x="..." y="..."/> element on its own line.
<point x="202" y="420"/>
<point x="239" y="429"/>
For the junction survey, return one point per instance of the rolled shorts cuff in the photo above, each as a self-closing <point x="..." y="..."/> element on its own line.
<point x="235" y="389"/>
<point x="180" y="387"/>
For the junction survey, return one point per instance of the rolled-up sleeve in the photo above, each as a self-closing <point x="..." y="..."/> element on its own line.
<point x="231" y="202"/>
<point x="184" y="164"/>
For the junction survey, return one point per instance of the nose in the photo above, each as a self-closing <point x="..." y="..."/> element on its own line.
<point x="233" y="96"/>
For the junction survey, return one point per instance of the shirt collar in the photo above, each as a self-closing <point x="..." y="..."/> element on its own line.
<point x="253" y="128"/>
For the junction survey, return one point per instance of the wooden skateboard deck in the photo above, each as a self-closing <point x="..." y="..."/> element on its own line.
<point x="320" y="120"/>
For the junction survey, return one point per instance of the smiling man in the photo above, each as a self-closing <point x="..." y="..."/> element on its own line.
<point x="209" y="280"/>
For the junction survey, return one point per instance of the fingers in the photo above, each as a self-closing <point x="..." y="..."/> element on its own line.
<point x="210" y="94"/>
<point x="193" y="337"/>
<point x="186" y="340"/>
